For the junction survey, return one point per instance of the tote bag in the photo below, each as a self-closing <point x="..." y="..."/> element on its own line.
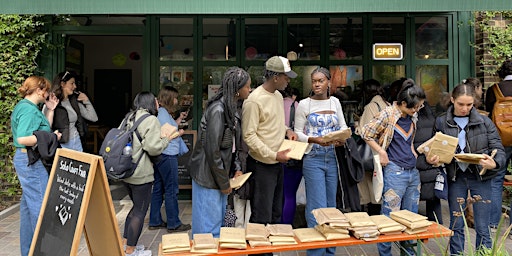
<point x="378" y="177"/>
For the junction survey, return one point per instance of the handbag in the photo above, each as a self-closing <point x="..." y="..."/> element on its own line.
<point x="365" y="151"/>
<point x="378" y="177"/>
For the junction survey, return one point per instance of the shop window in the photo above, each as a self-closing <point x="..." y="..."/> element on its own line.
<point x="387" y="74"/>
<point x="176" y="39"/>
<point x="434" y="80"/>
<point x="181" y="78"/>
<point x="303" y="38"/>
<point x="219" y="39"/>
<point x="346" y="38"/>
<point x="389" y="30"/>
<point x="431" y="37"/>
<point x="212" y="81"/>
<point x="260" y="38"/>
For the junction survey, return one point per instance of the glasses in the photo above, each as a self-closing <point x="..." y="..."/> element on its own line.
<point x="64" y="76"/>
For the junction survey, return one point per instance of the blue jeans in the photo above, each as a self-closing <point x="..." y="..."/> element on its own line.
<point x="33" y="180"/>
<point x="497" y="191"/>
<point x="74" y="143"/>
<point x="208" y="209"/>
<point x="320" y="171"/>
<point x="458" y="189"/>
<point x="401" y="192"/>
<point x="165" y="185"/>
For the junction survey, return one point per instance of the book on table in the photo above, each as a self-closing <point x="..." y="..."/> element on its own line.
<point x="178" y="242"/>
<point x="308" y="235"/>
<point x="256" y="232"/>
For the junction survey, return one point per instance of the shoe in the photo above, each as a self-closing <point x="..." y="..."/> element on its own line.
<point x="180" y="228"/>
<point x="140" y="253"/>
<point x="139" y="247"/>
<point x="493" y="230"/>
<point x="162" y="225"/>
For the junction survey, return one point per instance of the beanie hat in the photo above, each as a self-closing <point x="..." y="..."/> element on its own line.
<point x="280" y="65"/>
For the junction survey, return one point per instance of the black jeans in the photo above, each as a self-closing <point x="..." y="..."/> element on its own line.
<point x="141" y="197"/>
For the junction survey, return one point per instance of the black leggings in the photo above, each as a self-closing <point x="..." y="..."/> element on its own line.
<point x="141" y="198"/>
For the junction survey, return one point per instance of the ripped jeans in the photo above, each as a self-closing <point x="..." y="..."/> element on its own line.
<point x="401" y="192"/>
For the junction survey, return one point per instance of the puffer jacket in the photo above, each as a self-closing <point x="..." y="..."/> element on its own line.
<point x="481" y="138"/>
<point x="151" y="145"/>
<point x="210" y="162"/>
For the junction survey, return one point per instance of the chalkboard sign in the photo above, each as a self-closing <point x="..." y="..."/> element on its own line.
<point x="184" y="180"/>
<point x="68" y="207"/>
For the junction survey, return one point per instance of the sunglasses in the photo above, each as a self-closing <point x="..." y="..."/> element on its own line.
<point x="64" y="76"/>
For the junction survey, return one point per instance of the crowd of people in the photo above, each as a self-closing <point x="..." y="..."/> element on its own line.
<point x="243" y="128"/>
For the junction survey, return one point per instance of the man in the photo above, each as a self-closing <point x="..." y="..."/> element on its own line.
<point x="505" y="73"/>
<point x="264" y="129"/>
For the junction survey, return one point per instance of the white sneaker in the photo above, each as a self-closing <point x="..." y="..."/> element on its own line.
<point x="140" y="253"/>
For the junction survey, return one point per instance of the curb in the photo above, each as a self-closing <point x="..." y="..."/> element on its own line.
<point x="9" y="211"/>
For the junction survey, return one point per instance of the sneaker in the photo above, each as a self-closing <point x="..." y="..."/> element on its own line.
<point x="139" y="247"/>
<point x="140" y="253"/>
<point x="163" y="225"/>
<point x="180" y="228"/>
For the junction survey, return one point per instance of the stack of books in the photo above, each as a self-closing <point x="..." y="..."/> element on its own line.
<point x="233" y="238"/>
<point x="204" y="243"/>
<point x="308" y="235"/>
<point x="281" y="234"/>
<point x="332" y="223"/>
<point x="414" y="223"/>
<point x="257" y="235"/>
<point x="386" y="225"/>
<point x="174" y="243"/>
<point x="362" y="227"/>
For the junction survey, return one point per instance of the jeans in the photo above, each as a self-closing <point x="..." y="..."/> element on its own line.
<point x="401" y="192"/>
<point x="165" y="185"/>
<point x="208" y="209"/>
<point x="141" y="197"/>
<point x="74" y="143"/>
<point x="497" y="191"/>
<point x="292" y="177"/>
<point x="33" y="180"/>
<point x="458" y="190"/>
<point x="320" y="171"/>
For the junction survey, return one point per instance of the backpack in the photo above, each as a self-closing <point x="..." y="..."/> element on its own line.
<point x="117" y="165"/>
<point x="502" y="116"/>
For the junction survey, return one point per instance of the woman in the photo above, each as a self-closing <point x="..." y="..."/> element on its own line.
<point x="27" y="118"/>
<point x="139" y="185"/>
<point x="315" y="117"/>
<point x="477" y="134"/>
<point x="210" y="162"/>
<point x="374" y="92"/>
<point x="166" y="170"/>
<point x="73" y="108"/>
<point x="391" y="135"/>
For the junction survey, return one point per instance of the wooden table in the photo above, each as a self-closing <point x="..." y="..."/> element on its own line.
<point x="434" y="231"/>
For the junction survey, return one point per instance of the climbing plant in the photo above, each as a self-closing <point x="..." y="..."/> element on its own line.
<point x="22" y="38"/>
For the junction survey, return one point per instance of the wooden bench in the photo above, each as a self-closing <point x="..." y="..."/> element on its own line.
<point x="434" y="231"/>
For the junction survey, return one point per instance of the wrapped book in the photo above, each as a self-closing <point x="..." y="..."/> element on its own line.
<point x="204" y="243"/>
<point x="172" y="243"/>
<point x="233" y="238"/>
<point x="308" y="235"/>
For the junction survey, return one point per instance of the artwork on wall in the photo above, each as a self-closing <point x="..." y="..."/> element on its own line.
<point x="177" y="76"/>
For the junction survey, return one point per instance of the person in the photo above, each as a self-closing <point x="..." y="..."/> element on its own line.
<point x="27" y="118"/>
<point x="391" y="135"/>
<point x="154" y="140"/>
<point x="292" y="170"/>
<point x="428" y="173"/>
<point x="374" y="92"/>
<point x="166" y="170"/>
<point x="264" y="131"/>
<point x="476" y="134"/>
<point x="211" y="158"/>
<point x="505" y="73"/>
<point x="475" y="82"/>
<point x="73" y="108"/>
<point x="315" y="117"/>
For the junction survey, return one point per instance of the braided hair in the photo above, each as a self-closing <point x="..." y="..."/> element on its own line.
<point x="234" y="79"/>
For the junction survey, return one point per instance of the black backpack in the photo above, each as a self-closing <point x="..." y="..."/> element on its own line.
<point x="117" y="165"/>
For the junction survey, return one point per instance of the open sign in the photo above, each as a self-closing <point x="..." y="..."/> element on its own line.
<point x="387" y="51"/>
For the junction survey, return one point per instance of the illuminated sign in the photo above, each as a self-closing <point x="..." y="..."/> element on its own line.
<point x="392" y="51"/>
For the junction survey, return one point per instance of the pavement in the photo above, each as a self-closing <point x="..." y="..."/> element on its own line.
<point x="10" y="222"/>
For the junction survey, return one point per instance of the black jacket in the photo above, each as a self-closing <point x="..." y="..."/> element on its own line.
<point x="61" y="119"/>
<point x="350" y="172"/>
<point x="481" y="137"/>
<point x="45" y="149"/>
<point x="210" y="162"/>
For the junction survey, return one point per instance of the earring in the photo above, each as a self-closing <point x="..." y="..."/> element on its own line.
<point x="237" y="94"/>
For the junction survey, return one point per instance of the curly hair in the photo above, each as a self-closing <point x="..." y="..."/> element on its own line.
<point x="505" y="69"/>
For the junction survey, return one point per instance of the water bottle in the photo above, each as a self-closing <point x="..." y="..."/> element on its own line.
<point x="127" y="150"/>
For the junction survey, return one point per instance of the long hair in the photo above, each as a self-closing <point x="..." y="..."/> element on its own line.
<point x="61" y="77"/>
<point x="410" y="93"/>
<point x="464" y="89"/>
<point x="234" y="79"/>
<point x="147" y="101"/>
<point x="166" y="98"/>
<point x="32" y="83"/>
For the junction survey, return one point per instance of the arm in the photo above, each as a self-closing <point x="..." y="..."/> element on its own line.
<point x="152" y="142"/>
<point x="50" y="106"/>
<point x="250" y="121"/>
<point x="494" y="142"/>
<point x="213" y="136"/>
<point x="374" y="130"/>
<point x="301" y="120"/>
<point x="87" y="111"/>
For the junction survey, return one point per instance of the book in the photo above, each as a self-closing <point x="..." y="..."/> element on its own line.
<point x="339" y="135"/>
<point x="441" y="145"/>
<point x="179" y="242"/>
<point x="359" y="219"/>
<point x="256" y="232"/>
<point x="280" y="229"/>
<point x="204" y="241"/>
<point x="383" y="221"/>
<point x="237" y="182"/>
<point x="282" y="239"/>
<point x="407" y="215"/>
<point x="308" y="235"/>
<point x="297" y="148"/>
<point x="255" y="243"/>
<point x="329" y="215"/>
<point x="232" y="235"/>
<point x="469" y="158"/>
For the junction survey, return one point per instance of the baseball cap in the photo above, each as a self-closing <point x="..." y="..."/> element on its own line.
<point x="280" y="65"/>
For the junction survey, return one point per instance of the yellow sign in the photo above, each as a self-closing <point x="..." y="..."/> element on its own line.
<point x="388" y="51"/>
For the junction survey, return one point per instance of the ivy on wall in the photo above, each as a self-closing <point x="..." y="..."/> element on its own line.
<point x="22" y="38"/>
<point x="496" y="29"/>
